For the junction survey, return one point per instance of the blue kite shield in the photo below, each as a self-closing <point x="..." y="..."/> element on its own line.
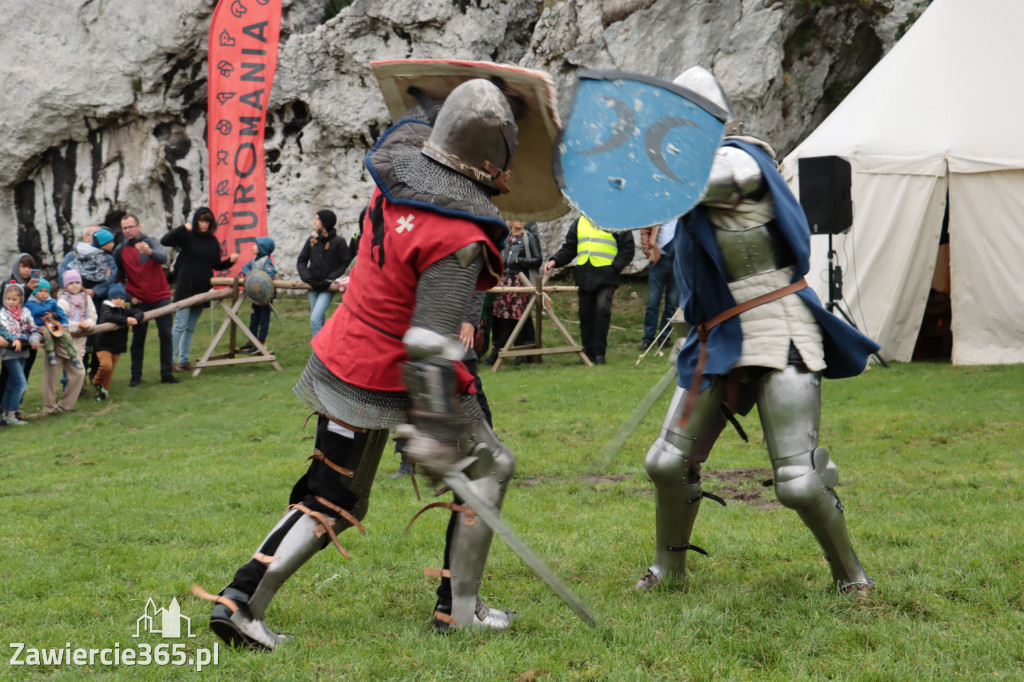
<point x="636" y="151"/>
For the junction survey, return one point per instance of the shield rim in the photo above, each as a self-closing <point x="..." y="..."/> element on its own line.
<point x="538" y="90"/>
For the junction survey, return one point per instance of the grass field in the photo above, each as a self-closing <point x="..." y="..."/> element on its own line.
<point x="163" y="486"/>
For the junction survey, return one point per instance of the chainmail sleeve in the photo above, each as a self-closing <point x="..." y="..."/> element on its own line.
<point x="444" y="292"/>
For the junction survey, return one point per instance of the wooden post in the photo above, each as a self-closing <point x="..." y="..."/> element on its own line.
<point x="234" y="300"/>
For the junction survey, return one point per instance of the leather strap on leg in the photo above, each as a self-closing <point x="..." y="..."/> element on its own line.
<point x="343" y="513"/>
<point x="437" y="573"/>
<point x="319" y="456"/>
<point x="353" y="429"/>
<point x="444" y="618"/>
<point x="263" y="558"/>
<point x="683" y="548"/>
<point x="216" y="598"/>
<point x="468" y="511"/>
<point x="326" y="525"/>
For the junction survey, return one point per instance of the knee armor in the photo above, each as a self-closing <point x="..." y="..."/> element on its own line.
<point x="672" y="463"/>
<point x="789" y="403"/>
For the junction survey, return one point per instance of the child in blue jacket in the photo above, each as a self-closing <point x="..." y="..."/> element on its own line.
<point x="259" y="320"/>
<point x="45" y="310"/>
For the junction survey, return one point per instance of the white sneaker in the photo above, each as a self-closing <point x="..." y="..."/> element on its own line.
<point x="11" y="419"/>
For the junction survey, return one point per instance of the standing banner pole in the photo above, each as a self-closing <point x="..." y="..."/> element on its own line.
<point x="242" y="60"/>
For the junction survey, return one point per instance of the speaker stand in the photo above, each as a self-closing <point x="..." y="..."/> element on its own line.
<point x="835" y="293"/>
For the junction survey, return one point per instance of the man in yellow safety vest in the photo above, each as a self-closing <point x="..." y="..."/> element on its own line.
<point x="599" y="257"/>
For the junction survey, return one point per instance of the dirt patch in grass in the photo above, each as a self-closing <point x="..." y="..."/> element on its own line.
<point x="617" y="478"/>
<point x="744" y="485"/>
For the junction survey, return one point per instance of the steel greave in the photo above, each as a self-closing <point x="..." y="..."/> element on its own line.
<point x="295" y="549"/>
<point x="470" y="544"/>
<point x="676" y="506"/>
<point x="789" y="404"/>
<point x="677" y="490"/>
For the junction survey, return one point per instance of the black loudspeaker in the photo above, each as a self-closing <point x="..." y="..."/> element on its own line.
<point x="825" y="194"/>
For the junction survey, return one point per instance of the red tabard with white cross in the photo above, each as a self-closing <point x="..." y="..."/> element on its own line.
<point x="362" y="342"/>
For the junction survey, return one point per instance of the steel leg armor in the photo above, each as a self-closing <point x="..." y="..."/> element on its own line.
<point x="333" y="495"/>
<point x="789" y="404"/>
<point x="469" y="540"/>
<point x="449" y="433"/>
<point x="673" y="464"/>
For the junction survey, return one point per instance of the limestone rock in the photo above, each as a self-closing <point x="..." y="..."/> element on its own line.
<point x="105" y="102"/>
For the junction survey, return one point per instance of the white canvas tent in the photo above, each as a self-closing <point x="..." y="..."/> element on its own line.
<point x="943" y="110"/>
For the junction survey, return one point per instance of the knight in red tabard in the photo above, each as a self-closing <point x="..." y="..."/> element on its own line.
<point x="390" y="356"/>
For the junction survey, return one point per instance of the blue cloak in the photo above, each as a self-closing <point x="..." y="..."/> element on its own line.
<point x="704" y="289"/>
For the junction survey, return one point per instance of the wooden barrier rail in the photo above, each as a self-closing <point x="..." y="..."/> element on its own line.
<point x="232" y="288"/>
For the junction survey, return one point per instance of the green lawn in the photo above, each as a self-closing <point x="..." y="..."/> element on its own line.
<point x="164" y="486"/>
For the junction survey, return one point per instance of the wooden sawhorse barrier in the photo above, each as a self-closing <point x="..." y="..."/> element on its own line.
<point x="231" y="325"/>
<point x="537" y="347"/>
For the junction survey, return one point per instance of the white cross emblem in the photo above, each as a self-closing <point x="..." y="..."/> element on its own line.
<point x="405" y="224"/>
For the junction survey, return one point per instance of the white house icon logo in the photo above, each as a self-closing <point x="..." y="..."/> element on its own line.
<point x="163" y="622"/>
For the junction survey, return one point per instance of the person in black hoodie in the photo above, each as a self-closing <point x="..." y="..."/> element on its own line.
<point x="322" y="260"/>
<point x="198" y="256"/>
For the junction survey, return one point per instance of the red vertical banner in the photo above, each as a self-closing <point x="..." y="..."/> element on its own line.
<point x="242" y="59"/>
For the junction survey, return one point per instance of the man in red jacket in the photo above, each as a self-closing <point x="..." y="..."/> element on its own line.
<point x="140" y="265"/>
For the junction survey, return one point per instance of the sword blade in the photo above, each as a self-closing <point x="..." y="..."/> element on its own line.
<point x="608" y="452"/>
<point x="459" y="484"/>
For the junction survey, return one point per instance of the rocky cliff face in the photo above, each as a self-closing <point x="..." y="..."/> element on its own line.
<point x="105" y="103"/>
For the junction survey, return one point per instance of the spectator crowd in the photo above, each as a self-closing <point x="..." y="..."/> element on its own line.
<point x="119" y="278"/>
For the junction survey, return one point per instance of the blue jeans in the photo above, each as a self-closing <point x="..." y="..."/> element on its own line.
<point x="319" y="302"/>
<point x="14" y="391"/>
<point x="185" y="321"/>
<point x="661" y="280"/>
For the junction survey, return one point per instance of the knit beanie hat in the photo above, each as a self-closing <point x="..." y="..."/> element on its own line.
<point x="43" y="284"/>
<point x="117" y="291"/>
<point x="71" y="276"/>
<point x="102" y="236"/>
<point x="327" y="218"/>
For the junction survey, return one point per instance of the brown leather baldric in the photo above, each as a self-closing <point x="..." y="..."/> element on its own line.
<point x="704" y="329"/>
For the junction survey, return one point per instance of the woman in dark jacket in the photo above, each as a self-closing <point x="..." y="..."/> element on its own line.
<point x="323" y="259"/>
<point x="198" y="256"/>
<point x="521" y="254"/>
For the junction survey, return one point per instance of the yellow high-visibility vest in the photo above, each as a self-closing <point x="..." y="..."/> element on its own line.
<point x="594" y="245"/>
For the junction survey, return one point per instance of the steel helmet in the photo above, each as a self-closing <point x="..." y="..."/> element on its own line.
<point x="475" y="134"/>
<point x="699" y="80"/>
